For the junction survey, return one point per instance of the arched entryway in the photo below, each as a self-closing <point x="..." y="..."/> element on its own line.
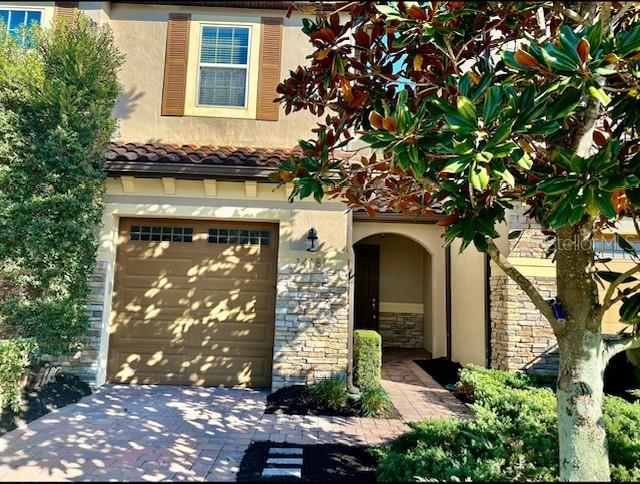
<point x="393" y="290"/>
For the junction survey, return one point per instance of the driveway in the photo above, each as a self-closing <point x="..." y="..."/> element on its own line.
<point x="129" y="432"/>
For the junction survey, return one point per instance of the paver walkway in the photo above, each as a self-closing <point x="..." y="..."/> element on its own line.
<point x="415" y="394"/>
<point x="129" y="432"/>
<point x="137" y="433"/>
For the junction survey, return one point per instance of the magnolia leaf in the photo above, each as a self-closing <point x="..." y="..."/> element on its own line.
<point x="599" y="94"/>
<point x="611" y="276"/>
<point x="630" y="309"/>
<point x="467" y="109"/>
<point x="492" y="102"/>
<point x="626" y="246"/>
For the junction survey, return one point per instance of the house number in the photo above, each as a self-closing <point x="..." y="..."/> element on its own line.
<point x="310" y="261"/>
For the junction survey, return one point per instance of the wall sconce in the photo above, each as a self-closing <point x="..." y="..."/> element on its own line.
<point x="312" y="240"/>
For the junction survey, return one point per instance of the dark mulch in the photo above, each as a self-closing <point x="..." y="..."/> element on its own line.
<point x="442" y="370"/>
<point x="65" y="389"/>
<point x="320" y="463"/>
<point x="296" y="400"/>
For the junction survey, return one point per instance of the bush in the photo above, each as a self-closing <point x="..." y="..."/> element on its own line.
<point x="56" y="102"/>
<point x="15" y="356"/>
<point x="367" y="355"/>
<point x="331" y="393"/>
<point x="375" y="402"/>
<point x="513" y="437"/>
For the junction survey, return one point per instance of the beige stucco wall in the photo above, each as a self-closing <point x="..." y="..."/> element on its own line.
<point x="140" y="32"/>
<point x="429" y="238"/>
<point x="232" y="201"/>
<point x="467" y="305"/>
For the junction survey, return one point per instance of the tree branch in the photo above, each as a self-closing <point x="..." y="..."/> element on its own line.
<point x="607" y="301"/>
<point x="526" y="285"/>
<point x="626" y="6"/>
<point x="622" y="294"/>
<point x="567" y="12"/>
<point x="620" y="344"/>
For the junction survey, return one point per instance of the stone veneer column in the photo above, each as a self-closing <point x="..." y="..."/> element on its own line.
<point x="401" y="330"/>
<point x="84" y="362"/>
<point x="311" y="328"/>
<point x="521" y="338"/>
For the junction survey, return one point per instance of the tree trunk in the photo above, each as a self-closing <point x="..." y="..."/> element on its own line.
<point x="582" y="438"/>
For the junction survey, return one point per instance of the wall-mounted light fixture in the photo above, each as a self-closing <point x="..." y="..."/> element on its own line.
<point x="312" y="240"/>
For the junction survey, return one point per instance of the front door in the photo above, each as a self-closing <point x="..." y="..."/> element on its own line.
<point x="367" y="299"/>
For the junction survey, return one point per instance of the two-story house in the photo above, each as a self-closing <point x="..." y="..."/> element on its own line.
<point x="207" y="275"/>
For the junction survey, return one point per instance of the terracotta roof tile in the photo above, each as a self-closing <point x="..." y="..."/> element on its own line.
<point x="201" y="155"/>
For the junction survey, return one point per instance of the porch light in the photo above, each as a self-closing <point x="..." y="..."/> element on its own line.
<point x="312" y="240"/>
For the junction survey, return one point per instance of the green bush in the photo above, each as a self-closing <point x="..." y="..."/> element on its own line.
<point x="330" y="393"/>
<point x="375" y="402"/>
<point x="15" y="356"/>
<point x="367" y="355"/>
<point x="56" y="102"/>
<point x="513" y="437"/>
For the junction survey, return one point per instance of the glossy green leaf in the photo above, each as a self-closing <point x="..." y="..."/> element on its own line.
<point x="522" y="159"/>
<point x="611" y="276"/>
<point x="555" y="186"/>
<point x="603" y="200"/>
<point x="626" y="246"/>
<point x="565" y="104"/>
<point x="599" y="94"/>
<point x="630" y="309"/>
<point x="492" y="101"/>
<point x="467" y="109"/>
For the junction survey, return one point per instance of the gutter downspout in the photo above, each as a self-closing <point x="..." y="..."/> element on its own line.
<point x="350" y="325"/>
<point x="447" y="269"/>
<point x="487" y="310"/>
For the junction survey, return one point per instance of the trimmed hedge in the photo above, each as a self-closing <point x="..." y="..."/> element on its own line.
<point x="367" y="355"/>
<point x="15" y="356"/>
<point x="514" y="436"/>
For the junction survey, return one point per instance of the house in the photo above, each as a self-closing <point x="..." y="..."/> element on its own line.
<point x="207" y="275"/>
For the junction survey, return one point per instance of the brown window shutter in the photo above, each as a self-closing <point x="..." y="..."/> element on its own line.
<point x="269" y="70"/>
<point x="175" y="64"/>
<point x="65" y="9"/>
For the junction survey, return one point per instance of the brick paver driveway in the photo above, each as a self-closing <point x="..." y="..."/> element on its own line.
<point x="137" y="433"/>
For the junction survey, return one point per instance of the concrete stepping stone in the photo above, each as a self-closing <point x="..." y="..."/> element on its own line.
<point x="284" y="461"/>
<point x="282" y="472"/>
<point x="285" y="451"/>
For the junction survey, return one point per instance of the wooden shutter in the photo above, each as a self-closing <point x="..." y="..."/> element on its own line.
<point x="269" y="70"/>
<point x="65" y="10"/>
<point x="175" y="64"/>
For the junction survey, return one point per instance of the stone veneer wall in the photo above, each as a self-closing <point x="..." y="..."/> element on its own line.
<point x="521" y="338"/>
<point x="311" y="329"/>
<point x="401" y="330"/>
<point x="84" y="362"/>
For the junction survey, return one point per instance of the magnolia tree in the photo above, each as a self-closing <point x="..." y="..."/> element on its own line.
<point x="471" y="109"/>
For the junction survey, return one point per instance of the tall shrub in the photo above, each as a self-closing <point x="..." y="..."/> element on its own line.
<point x="15" y="357"/>
<point x="367" y="356"/>
<point x="56" y="101"/>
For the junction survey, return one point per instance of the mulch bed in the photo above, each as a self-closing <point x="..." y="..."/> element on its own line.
<point x="296" y="400"/>
<point x="320" y="463"/>
<point x="442" y="370"/>
<point x="65" y="389"/>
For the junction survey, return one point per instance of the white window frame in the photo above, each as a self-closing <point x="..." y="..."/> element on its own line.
<point x="228" y="66"/>
<point x="24" y="8"/>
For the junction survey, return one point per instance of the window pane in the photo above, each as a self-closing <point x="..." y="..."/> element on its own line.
<point x="17" y="19"/>
<point x="4" y="15"/>
<point x="224" y="45"/>
<point x="220" y="86"/>
<point x="33" y="17"/>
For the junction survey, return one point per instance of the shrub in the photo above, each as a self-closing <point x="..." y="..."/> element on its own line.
<point x="367" y="354"/>
<point x="330" y="392"/>
<point x="375" y="402"/>
<point x="513" y="437"/>
<point x="15" y="356"/>
<point x="56" y="102"/>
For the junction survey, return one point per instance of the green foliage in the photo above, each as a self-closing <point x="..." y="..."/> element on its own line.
<point x="375" y="402"/>
<point x="513" y="437"/>
<point x="15" y="356"/>
<point x="56" y="103"/>
<point x="367" y="355"/>
<point x="330" y="393"/>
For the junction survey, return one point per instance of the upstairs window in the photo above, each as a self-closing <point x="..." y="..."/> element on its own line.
<point x="608" y="248"/>
<point x="17" y="21"/>
<point x="223" y="66"/>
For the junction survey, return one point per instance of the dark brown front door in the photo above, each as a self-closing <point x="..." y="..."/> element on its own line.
<point x="367" y="277"/>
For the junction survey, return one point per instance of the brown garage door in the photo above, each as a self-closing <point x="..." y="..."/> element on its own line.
<point x="193" y="303"/>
